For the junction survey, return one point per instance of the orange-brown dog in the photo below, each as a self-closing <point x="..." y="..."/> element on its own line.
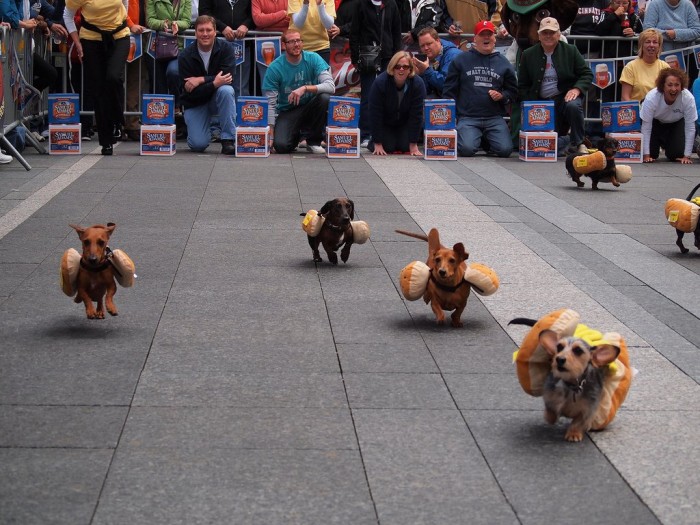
<point x="446" y="289"/>
<point x="96" y="275"/>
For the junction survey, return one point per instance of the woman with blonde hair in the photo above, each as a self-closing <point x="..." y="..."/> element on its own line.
<point x="396" y="107"/>
<point x="639" y="76"/>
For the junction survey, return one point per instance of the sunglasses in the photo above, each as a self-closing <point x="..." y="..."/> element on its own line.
<point x="402" y="67"/>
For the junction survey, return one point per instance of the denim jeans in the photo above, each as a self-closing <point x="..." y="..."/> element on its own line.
<point x="198" y="119"/>
<point x="470" y="132"/>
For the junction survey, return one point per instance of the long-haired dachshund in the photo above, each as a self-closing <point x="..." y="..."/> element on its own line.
<point x="96" y="275"/>
<point x="446" y="289"/>
<point x="609" y="147"/>
<point x="574" y="385"/>
<point x="336" y="230"/>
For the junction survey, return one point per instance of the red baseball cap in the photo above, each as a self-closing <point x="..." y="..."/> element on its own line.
<point x="484" y="25"/>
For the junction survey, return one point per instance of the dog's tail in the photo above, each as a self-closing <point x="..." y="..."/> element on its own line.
<point x="414" y="235"/>
<point x="690" y="195"/>
<point x="523" y="320"/>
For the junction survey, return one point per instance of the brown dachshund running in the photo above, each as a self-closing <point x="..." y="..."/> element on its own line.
<point x="96" y="274"/>
<point x="336" y="230"/>
<point x="446" y="289"/>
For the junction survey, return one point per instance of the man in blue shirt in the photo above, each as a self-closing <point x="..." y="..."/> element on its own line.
<point x="439" y="55"/>
<point x="298" y="86"/>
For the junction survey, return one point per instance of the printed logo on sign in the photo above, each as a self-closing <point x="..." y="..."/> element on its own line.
<point x="606" y="117"/>
<point x="626" y="117"/>
<point x="156" y="139"/>
<point x="441" y="143"/>
<point x="440" y="115"/>
<point x="64" y="137"/>
<point x="343" y="141"/>
<point x="630" y="146"/>
<point x="251" y="112"/>
<point x="157" y="110"/>
<point x="540" y="144"/>
<point x="63" y="109"/>
<point x="251" y="140"/>
<point x="539" y="116"/>
<point x="344" y="113"/>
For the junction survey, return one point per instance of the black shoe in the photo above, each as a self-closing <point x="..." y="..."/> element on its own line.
<point x="107" y="150"/>
<point x="227" y="147"/>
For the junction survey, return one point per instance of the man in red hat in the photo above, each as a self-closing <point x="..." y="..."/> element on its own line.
<point x="483" y="83"/>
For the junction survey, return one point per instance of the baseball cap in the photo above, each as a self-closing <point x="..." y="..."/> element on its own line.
<point x="484" y="25"/>
<point x="548" y="24"/>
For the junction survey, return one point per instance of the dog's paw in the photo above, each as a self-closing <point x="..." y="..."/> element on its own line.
<point x="573" y="435"/>
<point x="550" y="416"/>
<point x="332" y="258"/>
<point x="457" y="323"/>
<point x="113" y="312"/>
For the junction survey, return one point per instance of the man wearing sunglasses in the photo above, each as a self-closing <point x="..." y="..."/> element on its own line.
<point x="298" y="86"/>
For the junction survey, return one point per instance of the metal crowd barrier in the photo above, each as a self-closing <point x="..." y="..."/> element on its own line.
<point x="22" y="103"/>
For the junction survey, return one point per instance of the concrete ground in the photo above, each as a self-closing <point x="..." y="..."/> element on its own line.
<point x="242" y="383"/>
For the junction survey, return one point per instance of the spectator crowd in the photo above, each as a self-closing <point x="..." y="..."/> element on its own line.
<point x="487" y="86"/>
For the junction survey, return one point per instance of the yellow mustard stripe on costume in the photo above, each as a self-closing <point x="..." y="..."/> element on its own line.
<point x="591" y="336"/>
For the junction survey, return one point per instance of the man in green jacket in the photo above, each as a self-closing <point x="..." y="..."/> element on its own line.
<point x="554" y="70"/>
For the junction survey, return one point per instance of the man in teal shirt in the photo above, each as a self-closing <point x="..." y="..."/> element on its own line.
<point x="298" y="86"/>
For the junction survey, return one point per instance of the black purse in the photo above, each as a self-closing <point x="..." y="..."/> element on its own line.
<point x="369" y="60"/>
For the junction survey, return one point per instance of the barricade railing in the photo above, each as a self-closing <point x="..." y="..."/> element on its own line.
<point x="22" y="103"/>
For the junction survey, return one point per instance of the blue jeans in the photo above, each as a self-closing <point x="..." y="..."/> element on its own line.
<point x="470" y="132"/>
<point x="167" y="78"/>
<point x="198" y="119"/>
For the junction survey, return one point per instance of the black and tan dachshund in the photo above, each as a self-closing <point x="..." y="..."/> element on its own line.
<point x="609" y="147"/>
<point x="679" y="240"/>
<point x="336" y="230"/>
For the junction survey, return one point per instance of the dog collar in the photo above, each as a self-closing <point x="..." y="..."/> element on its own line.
<point x="446" y="288"/>
<point x="95" y="269"/>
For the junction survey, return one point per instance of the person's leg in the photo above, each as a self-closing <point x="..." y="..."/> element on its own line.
<point x="325" y="54"/>
<point x="366" y="82"/>
<point x="133" y="98"/>
<point x="657" y="132"/>
<point x="468" y="137"/>
<point x="198" y="131"/>
<point x="315" y="117"/>
<point x="287" y="130"/>
<point x="159" y="83"/>
<point x="94" y="69"/>
<point x="675" y="140"/>
<point x="113" y="87"/>
<point x="573" y="115"/>
<point x="223" y="103"/>
<point x="241" y="75"/>
<point x="45" y="74"/>
<point x="498" y="135"/>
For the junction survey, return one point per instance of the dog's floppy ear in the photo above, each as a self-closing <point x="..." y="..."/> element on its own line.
<point x="352" y="210"/>
<point x="459" y="250"/>
<point x="604" y="355"/>
<point x="433" y="241"/>
<point x="326" y="208"/>
<point x="79" y="229"/>
<point x="549" y="340"/>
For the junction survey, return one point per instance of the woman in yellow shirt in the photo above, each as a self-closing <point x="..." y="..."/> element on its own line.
<point x="313" y="19"/>
<point x="102" y="46"/>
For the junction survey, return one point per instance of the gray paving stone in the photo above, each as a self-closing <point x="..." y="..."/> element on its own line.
<point x="204" y="428"/>
<point x="483" y="390"/>
<point x="258" y="486"/>
<point x="407" y="391"/>
<point x="544" y="477"/>
<point x="369" y="358"/>
<point x="85" y="427"/>
<point x="424" y="467"/>
<point x="376" y="322"/>
<point x="12" y="275"/>
<point x="51" y="485"/>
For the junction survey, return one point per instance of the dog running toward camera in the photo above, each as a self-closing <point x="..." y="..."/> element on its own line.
<point x="680" y="234"/>
<point x="336" y="231"/>
<point x="446" y="288"/>
<point x="609" y="147"/>
<point x="96" y="279"/>
<point x="574" y="385"/>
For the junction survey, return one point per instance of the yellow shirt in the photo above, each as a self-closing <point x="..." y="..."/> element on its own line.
<point x="641" y="76"/>
<point x="105" y="14"/>
<point x="313" y="33"/>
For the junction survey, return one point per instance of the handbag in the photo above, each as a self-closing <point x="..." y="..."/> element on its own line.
<point x="167" y="46"/>
<point x="369" y="60"/>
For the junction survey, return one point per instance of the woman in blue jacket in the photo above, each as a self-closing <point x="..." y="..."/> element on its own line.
<point x="396" y="108"/>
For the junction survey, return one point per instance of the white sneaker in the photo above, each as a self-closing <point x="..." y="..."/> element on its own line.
<point x="583" y="149"/>
<point x="5" y="159"/>
<point x="364" y="143"/>
<point x="316" y="148"/>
